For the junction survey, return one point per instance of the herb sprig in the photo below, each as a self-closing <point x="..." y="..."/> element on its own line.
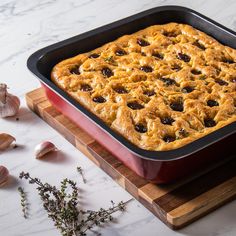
<point x="23" y="201"/>
<point x="62" y="207"/>
<point x="81" y="172"/>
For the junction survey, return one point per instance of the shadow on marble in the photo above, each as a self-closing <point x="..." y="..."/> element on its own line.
<point x="219" y="224"/>
<point x="18" y="147"/>
<point x="12" y="148"/>
<point x="20" y="117"/>
<point x="11" y="183"/>
<point x="57" y="157"/>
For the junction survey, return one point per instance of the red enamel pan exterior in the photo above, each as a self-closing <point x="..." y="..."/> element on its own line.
<point x="155" y="166"/>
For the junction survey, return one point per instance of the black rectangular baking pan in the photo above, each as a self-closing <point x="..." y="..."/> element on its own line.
<point x="156" y="166"/>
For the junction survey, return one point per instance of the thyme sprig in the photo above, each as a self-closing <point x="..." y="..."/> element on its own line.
<point x="23" y="201"/>
<point x="110" y="60"/>
<point x="80" y="170"/>
<point x="62" y="207"/>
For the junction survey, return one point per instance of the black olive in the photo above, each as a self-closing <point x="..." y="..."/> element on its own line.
<point x="146" y="69"/>
<point x="168" y="81"/>
<point x="208" y="122"/>
<point x="107" y="72"/>
<point x="212" y="103"/>
<point x="158" y="55"/>
<point x="184" y="57"/>
<point x="170" y="34"/>
<point x="99" y="99"/>
<point x="233" y="80"/>
<point x="167" y="120"/>
<point x="199" y="45"/>
<point x="94" y="55"/>
<point x="120" y="52"/>
<point x="86" y="87"/>
<point x="195" y="72"/>
<point x="141" y="128"/>
<point x="176" y="67"/>
<point x="183" y="132"/>
<point x="135" y="105"/>
<point x="221" y="82"/>
<point x="187" y="89"/>
<point x="177" y="106"/>
<point x="120" y="90"/>
<point x="169" y="139"/>
<point x="149" y="93"/>
<point x="228" y="60"/>
<point x="75" y="70"/>
<point x="142" y="42"/>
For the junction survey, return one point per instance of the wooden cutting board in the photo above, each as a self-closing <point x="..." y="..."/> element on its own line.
<point x="175" y="204"/>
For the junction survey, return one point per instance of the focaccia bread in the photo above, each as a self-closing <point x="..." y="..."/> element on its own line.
<point x="161" y="88"/>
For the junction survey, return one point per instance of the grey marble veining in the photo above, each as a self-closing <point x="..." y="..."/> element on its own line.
<point x="28" y="25"/>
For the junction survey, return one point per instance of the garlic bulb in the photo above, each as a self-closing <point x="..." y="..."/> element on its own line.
<point x="4" y="174"/>
<point x="44" y="148"/>
<point x="9" y="104"/>
<point x="5" y="141"/>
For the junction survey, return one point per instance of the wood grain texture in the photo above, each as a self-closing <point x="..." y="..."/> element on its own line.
<point x="175" y="204"/>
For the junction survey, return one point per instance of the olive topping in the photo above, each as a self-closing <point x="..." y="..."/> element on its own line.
<point x="135" y="105"/>
<point x="146" y="69"/>
<point x="107" y="72"/>
<point x="169" y="139"/>
<point x="75" y="70"/>
<point x="94" y="55"/>
<point x="167" y="120"/>
<point x="158" y="55"/>
<point x="208" y="122"/>
<point x="85" y="87"/>
<point x="195" y="72"/>
<point x="149" y="93"/>
<point x="187" y="89"/>
<point x="183" y="132"/>
<point x="221" y="82"/>
<point x="99" y="99"/>
<point x="121" y="90"/>
<point x="233" y="80"/>
<point x="183" y="57"/>
<point x="170" y="34"/>
<point x="228" y="60"/>
<point x="212" y="103"/>
<point x="120" y="52"/>
<point x="176" y="67"/>
<point x="177" y="106"/>
<point x="142" y="42"/>
<point x="168" y="81"/>
<point x="199" y="45"/>
<point x="141" y="128"/>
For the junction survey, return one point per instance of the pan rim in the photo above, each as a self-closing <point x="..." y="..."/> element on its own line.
<point x="168" y="155"/>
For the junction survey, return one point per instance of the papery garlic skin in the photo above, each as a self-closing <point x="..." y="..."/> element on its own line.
<point x="6" y="141"/>
<point x="9" y="104"/>
<point x="4" y="174"/>
<point x="43" y="148"/>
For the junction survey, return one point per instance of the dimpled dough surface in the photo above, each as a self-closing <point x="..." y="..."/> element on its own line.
<point x="161" y="88"/>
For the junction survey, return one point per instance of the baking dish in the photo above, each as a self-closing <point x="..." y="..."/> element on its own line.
<point x="155" y="166"/>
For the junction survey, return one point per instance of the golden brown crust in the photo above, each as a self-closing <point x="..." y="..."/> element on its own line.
<point x="176" y="86"/>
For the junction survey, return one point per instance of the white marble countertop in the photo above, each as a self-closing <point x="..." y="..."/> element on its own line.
<point x="28" y="25"/>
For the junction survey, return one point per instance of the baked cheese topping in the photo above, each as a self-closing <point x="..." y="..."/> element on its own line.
<point x="161" y="88"/>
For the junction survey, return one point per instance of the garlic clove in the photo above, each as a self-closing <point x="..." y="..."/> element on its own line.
<point x="43" y="148"/>
<point x="9" y="104"/>
<point x="5" y="141"/>
<point x="4" y="174"/>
